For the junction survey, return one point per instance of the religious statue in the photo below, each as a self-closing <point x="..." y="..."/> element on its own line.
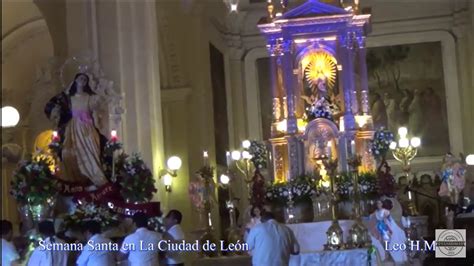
<point x="319" y="103"/>
<point x="72" y="111"/>
<point x="453" y="178"/>
<point x="387" y="231"/>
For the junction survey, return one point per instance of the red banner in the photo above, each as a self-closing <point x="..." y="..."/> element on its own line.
<point x="69" y="188"/>
<point x="108" y="194"/>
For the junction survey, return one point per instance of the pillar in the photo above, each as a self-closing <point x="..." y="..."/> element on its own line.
<point x="347" y="80"/>
<point x="364" y="87"/>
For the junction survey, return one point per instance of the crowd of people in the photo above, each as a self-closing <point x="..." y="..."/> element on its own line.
<point x="262" y="234"/>
<point x="47" y="252"/>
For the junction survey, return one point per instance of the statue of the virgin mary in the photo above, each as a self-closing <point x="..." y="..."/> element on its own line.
<point x="72" y="110"/>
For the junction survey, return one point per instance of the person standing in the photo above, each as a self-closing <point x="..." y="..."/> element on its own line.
<point x="9" y="253"/>
<point x="271" y="243"/>
<point x="137" y="245"/>
<point x="174" y="233"/>
<point x="91" y="256"/>
<point x="46" y="253"/>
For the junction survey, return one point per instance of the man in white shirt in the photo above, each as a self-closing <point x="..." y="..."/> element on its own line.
<point x="271" y="243"/>
<point x="174" y="233"/>
<point x="49" y="251"/>
<point x="9" y="254"/>
<point x="94" y="253"/>
<point x="141" y="247"/>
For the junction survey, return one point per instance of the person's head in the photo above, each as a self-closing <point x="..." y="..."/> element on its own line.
<point x="255" y="211"/>
<point x="267" y="215"/>
<point x="46" y="228"/>
<point x="7" y="230"/>
<point x="91" y="228"/>
<point x="387" y="204"/>
<point x="379" y="204"/>
<point x="376" y="96"/>
<point x="80" y="83"/>
<point x="172" y="218"/>
<point x="321" y="84"/>
<point x="140" y="220"/>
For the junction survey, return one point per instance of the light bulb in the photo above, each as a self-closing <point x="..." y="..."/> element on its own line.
<point x="235" y="155"/>
<point x="403" y="143"/>
<point x="10" y="116"/>
<point x="403" y="131"/>
<point x="415" y="142"/>
<point x="470" y="159"/>
<point x="167" y="180"/>
<point x="246" y="155"/>
<point x="224" y="179"/>
<point x="246" y="144"/>
<point x="174" y="163"/>
<point x="393" y="145"/>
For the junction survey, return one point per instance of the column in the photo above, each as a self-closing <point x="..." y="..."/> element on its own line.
<point x="364" y="87"/>
<point x="347" y="80"/>
<point x="238" y="98"/>
<point x="287" y="67"/>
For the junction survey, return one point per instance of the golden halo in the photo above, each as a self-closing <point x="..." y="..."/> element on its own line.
<point x="320" y="65"/>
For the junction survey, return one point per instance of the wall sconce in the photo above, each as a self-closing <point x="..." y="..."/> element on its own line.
<point x="173" y="164"/>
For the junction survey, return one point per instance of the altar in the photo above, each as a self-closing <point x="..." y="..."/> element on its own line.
<point x="329" y="258"/>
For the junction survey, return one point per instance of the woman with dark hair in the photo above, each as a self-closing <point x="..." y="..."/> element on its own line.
<point x="255" y="213"/>
<point x="73" y="110"/>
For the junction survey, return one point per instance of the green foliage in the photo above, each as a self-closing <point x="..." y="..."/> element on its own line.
<point x="33" y="182"/>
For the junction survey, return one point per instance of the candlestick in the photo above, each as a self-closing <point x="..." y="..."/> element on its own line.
<point x="228" y="159"/>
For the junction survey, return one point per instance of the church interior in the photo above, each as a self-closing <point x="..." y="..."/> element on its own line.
<point x="322" y="113"/>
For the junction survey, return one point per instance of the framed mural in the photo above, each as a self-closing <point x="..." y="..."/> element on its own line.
<point x="406" y="87"/>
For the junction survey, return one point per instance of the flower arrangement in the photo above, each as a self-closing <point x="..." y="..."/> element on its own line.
<point x="321" y="112"/>
<point x="259" y="153"/>
<point x="344" y="186"/>
<point x="156" y="224"/>
<point x="277" y="193"/>
<point x="90" y="211"/>
<point x="33" y="182"/>
<point x="111" y="146"/>
<point x="368" y="184"/>
<point x="302" y="188"/>
<point x="380" y="144"/>
<point x="299" y="189"/>
<point x="135" y="179"/>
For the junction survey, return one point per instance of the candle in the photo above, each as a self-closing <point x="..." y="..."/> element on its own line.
<point x="341" y="124"/>
<point x="113" y="135"/>
<point x="409" y="195"/>
<point x="353" y="147"/>
<point x="228" y="158"/>
<point x="205" y="156"/>
<point x="210" y="220"/>
<point x="329" y="149"/>
<point x="55" y="136"/>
